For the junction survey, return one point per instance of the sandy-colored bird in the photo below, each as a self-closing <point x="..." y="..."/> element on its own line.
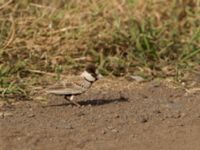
<point x="75" y="85"/>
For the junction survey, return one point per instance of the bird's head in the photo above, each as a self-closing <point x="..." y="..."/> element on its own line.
<point x="91" y="73"/>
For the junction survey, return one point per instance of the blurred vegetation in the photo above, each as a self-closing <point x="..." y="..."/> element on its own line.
<point x="152" y="38"/>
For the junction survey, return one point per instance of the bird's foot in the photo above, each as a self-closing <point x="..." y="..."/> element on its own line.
<point x="75" y="103"/>
<point x="72" y="102"/>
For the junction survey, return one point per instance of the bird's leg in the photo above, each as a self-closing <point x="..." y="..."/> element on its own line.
<point x="67" y="98"/>
<point x="71" y="100"/>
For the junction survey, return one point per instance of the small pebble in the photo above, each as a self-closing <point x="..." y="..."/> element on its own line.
<point x="31" y="115"/>
<point x="137" y="78"/>
<point x="143" y="119"/>
<point x="114" y="131"/>
<point x="103" y="132"/>
<point x="157" y="111"/>
<point x="116" y="116"/>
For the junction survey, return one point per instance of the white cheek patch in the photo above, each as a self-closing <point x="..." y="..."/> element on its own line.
<point x="88" y="76"/>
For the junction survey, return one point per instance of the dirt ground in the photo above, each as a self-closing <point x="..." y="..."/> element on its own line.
<point x="114" y="115"/>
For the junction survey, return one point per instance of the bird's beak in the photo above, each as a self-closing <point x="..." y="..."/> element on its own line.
<point x="99" y="76"/>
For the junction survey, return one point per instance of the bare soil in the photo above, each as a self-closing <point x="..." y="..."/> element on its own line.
<point x="115" y="115"/>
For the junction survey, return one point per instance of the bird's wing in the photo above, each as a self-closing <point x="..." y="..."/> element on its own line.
<point x="67" y="87"/>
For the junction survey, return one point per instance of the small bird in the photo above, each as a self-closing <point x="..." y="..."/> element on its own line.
<point x="76" y="85"/>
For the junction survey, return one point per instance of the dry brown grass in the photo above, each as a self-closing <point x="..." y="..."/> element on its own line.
<point x="150" y="38"/>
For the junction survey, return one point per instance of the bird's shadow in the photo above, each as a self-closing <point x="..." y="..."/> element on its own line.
<point x="95" y="102"/>
<point x="98" y="102"/>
